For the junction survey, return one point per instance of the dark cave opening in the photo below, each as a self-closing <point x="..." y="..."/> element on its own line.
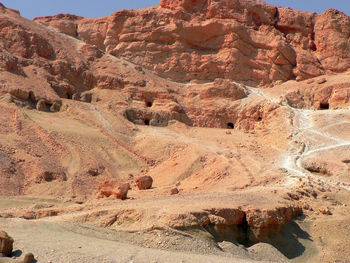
<point x="149" y="103"/>
<point x="324" y="106"/>
<point x="230" y="125"/>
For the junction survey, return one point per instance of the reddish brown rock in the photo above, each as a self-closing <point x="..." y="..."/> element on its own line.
<point x="286" y="44"/>
<point x="64" y="23"/>
<point x="332" y="42"/>
<point x="6" y="244"/>
<point x="325" y="211"/>
<point x="29" y="258"/>
<point x="144" y="182"/>
<point x="113" y="189"/>
<point x="265" y="223"/>
<point x="321" y="93"/>
<point x="174" y="191"/>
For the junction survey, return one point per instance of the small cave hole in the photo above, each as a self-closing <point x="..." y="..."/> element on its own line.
<point x="149" y="103"/>
<point x="93" y="172"/>
<point x="230" y="125"/>
<point x="147" y="122"/>
<point x="48" y="176"/>
<point x="324" y="106"/>
<point x="69" y="96"/>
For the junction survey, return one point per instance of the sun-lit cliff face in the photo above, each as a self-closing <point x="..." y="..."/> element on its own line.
<point x="240" y="40"/>
<point x="234" y="113"/>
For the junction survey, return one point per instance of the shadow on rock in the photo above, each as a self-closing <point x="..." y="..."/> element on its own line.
<point x="288" y="241"/>
<point x="17" y="253"/>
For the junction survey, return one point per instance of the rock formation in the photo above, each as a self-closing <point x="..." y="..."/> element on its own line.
<point x="144" y="182"/>
<point x="249" y="41"/>
<point x="6" y="244"/>
<point x="113" y="189"/>
<point x="29" y="258"/>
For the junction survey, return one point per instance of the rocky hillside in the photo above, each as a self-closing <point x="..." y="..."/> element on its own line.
<point x="214" y="121"/>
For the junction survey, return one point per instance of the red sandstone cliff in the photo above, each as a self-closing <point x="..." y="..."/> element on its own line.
<point x="242" y="40"/>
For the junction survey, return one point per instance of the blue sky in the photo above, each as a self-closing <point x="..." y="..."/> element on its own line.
<point x="93" y="8"/>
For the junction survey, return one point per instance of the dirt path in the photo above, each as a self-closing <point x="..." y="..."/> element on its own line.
<point x="310" y="139"/>
<point x="303" y="127"/>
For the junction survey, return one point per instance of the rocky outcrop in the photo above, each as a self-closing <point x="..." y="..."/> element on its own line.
<point x="322" y="93"/>
<point x="246" y="41"/>
<point x="332" y="30"/>
<point x="264" y="224"/>
<point x="248" y="226"/>
<point x="64" y="23"/>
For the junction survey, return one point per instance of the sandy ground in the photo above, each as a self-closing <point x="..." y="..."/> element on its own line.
<point x="59" y="243"/>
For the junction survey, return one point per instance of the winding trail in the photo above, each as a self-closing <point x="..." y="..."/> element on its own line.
<point x="302" y="125"/>
<point x="309" y="139"/>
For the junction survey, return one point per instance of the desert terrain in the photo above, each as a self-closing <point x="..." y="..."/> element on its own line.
<point x="238" y="111"/>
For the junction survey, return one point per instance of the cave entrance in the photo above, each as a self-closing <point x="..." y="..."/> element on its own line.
<point x="230" y="125"/>
<point x="149" y="103"/>
<point x="48" y="106"/>
<point x="69" y="93"/>
<point x="147" y="122"/>
<point x="324" y="106"/>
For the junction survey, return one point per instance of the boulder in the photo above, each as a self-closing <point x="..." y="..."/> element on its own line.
<point x="6" y="243"/>
<point x="113" y="188"/>
<point x="29" y="258"/>
<point x="174" y="191"/>
<point x="144" y="182"/>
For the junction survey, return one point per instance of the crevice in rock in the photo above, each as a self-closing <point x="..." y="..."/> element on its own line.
<point x="276" y="17"/>
<point x="313" y="46"/>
